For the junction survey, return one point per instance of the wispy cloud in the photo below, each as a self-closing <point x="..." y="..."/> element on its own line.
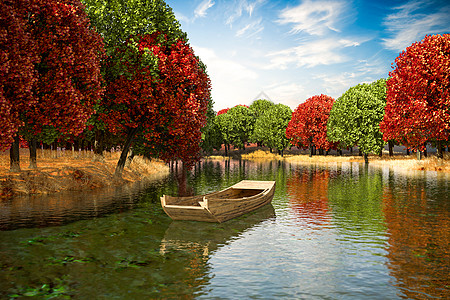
<point x="412" y="21"/>
<point x="310" y="54"/>
<point x="290" y="92"/>
<point x="242" y="7"/>
<point x="202" y="8"/>
<point x="313" y="17"/>
<point x="251" y="29"/>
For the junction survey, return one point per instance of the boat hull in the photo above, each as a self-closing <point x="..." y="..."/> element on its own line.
<point x="241" y="198"/>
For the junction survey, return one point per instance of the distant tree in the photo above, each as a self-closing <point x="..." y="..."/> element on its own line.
<point x="223" y="124"/>
<point x="356" y="115"/>
<point x="258" y="107"/>
<point x="222" y="111"/>
<point x="418" y="95"/>
<point x="211" y="136"/>
<point x="270" y="127"/>
<point x="308" y="126"/>
<point x="241" y="124"/>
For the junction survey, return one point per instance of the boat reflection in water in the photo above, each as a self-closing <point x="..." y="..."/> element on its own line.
<point x="204" y="238"/>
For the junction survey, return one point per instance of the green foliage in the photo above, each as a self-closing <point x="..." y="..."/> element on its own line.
<point x="222" y="123"/>
<point x="258" y="107"/>
<point x="356" y="115"/>
<point x="240" y="125"/>
<point x="270" y="127"/>
<point x="118" y="20"/>
<point x="211" y="135"/>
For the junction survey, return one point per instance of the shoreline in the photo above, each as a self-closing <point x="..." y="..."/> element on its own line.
<point x="60" y="171"/>
<point x="399" y="160"/>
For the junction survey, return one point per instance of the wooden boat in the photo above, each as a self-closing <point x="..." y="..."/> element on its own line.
<point x="221" y="206"/>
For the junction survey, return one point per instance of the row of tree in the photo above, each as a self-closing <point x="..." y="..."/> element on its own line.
<point x="411" y="108"/>
<point x="117" y="73"/>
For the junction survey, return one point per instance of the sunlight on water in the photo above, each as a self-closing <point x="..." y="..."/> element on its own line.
<point x="338" y="232"/>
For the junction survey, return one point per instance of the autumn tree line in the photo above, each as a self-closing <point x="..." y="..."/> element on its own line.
<point x="121" y="73"/>
<point x="410" y="108"/>
<point x="100" y="74"/>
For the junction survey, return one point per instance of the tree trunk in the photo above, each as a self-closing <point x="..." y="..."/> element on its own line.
<point x="419" y="155"/>
<point x="32" y="146"/>
<point x="425" y="152"/>
<point x="440" y="150"/>
<point x="407" y="151"/>
<point x="98" y="143"/>
<point x="130" y="158"/>
<point x="310" y="150"/>
<point x="340" y="152"/>
<point x="366" y="158"/>
<point x="226" y="150"/>
<point x="14" y="155"/>
<point x="391" y="148"/>
<point x="123" y="156"/>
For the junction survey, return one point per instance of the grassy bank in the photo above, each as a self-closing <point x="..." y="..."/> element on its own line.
<point x="399" y="160"/>
<point x="66" y="170"/>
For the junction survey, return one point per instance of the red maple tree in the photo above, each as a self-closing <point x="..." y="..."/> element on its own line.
<point x="70" y="53"/>
<point x="162" y="94"/>
<point x="418" y="94"/>
<point x="17" y="59"/>
<point x="50" y="60"/>
<point x="308" y="126"/>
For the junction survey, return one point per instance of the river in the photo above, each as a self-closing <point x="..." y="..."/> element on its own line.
<point x="341" y="231"/>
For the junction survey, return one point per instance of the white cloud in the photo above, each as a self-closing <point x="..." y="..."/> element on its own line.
<point x="290" y="92"/>
<point x="313" y="17"/>
<point x="250" y="29"/>
<point x="408" y="24"/>
<point x="310" y="54"/>
<point x="230" y="79"/>
<point x="243" y="6"/>
<point x="202" y="8"/>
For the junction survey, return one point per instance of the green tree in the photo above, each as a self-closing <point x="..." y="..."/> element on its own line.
<point x="241" y="123"/>
<point x="222" y="123"/>
<point x="270" y="127"/>
<point x="211" y="135"/>
<point x="355" y="117"/>
<point x="258" y="108"/>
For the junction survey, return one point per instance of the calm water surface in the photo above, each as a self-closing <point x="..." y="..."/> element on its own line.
<point x="342" y="231"/>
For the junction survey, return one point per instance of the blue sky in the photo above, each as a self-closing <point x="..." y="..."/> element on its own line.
<point x="292" y="50"/>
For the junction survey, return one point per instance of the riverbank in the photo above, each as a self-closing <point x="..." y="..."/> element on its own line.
<point x="66" y="170"/>
<point x="399" y="160"/>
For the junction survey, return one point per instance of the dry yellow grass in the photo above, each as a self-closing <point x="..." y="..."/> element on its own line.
<point x="67" y="170"/>
<point x="410" y="162"/>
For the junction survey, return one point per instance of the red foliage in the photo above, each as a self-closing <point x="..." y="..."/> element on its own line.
<point x="69" y="71"/>
<point x="50" y="61"/>
<point x="308" y="126"/>
<point x="169" y="105"/>
<point x="418" y="94"/>
<point x="17" y="59"/>
<point x="222" y="111"/>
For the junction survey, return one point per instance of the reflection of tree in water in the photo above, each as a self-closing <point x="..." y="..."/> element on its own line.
<point x="356" y="201"/>
<point x="419" y="239"/>
<point x="308" y="196"/>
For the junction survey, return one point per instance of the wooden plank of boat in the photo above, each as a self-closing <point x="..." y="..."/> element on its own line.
<point x="220" y="206"/>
